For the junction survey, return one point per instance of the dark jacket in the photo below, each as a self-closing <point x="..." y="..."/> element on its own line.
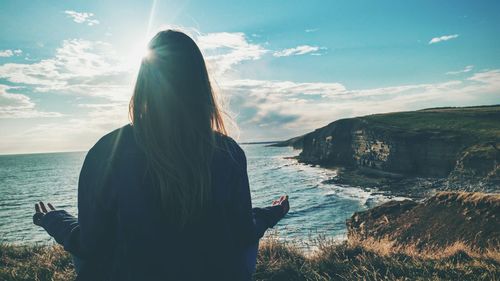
<point x="121" y="234"/>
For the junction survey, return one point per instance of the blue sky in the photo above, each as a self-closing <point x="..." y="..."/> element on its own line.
<point x="283" y="68"/>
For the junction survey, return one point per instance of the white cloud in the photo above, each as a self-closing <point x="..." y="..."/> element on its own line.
<point x="93" y="68"/>
<point x="443" y="38"/>
<point x="279" y="109"/>
<point x="19" y="106"/>
<point x="311" y="30"/>
<point x="466" y="69"/>
<point x="299" y="50"/>
<point x="75" y="133"/>
<point x="69" y="135"/>
<point x="89" y="68"/>
<point x="224" y="50"/>
<point x="6" y="53"/>
<point x="490" y="78"/>
<point x="86" y="18"/>
<point x="10" y="53"/>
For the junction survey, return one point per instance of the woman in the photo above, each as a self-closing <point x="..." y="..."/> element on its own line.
<point x="167" y="197"/>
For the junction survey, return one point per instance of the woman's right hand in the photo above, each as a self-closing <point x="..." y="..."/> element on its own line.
<point x="283" y="202"/>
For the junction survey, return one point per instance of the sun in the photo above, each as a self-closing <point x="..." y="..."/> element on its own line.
<point x="135" y="54"/>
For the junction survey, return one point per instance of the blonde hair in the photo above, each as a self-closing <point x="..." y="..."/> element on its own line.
<point x="175" y="117"/>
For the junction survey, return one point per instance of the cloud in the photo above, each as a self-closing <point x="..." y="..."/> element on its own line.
<point x="19" y="106"/>
<point x="487" y="79"/>
<point x="299" y="50"/>
<point x="280" y="109"/>
<point x="224" y="50"/>
<point x="443" y="38"/>
<point x="10" y="53"/>
<point x="86" y="18"/>
<point x="6" y="53"/>
<point x="468" y="68"/>
<point x="93" y="68"/>
<point x="311" y="30"/>
<point x="74" y="133"/>
<point x="82" y="67"/>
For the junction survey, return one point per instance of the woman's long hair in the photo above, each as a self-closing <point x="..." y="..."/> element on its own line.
<point x="175" y="117"/>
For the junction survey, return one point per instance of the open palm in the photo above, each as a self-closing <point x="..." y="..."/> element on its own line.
<point x="41" y="211"/>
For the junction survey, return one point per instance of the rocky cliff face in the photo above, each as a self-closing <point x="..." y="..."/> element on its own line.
<point x="446" y="218"/>
<point x="359" y="143"/>
<point x="460" y="143"/>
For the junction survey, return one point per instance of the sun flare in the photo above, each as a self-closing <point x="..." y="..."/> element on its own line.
<point x="135" y="55"/>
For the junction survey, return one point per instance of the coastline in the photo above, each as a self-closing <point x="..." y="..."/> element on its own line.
<point x="413" y="154"/>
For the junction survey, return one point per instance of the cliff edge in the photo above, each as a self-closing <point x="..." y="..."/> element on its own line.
<point x="460" y="145"/>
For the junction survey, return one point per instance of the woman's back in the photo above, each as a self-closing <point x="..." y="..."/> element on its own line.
<point x="116" y="187"/>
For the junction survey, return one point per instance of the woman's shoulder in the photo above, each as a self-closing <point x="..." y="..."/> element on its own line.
<point x="225" y="141"/>
<point x="229" y="147"/>
<point x="113" y="140"/>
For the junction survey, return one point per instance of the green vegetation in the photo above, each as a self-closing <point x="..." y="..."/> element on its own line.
<point x="285" y="261"/>
<point x="479" y="122"/>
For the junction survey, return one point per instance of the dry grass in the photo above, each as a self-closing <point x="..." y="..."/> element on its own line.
<point x="280" y="260"/>
<point x="443" y="221"/>
<point x="375" y="261"/>
<point x="35" y="263"/>
<point x="474" y="198"/>
<point x="385" y="247"/>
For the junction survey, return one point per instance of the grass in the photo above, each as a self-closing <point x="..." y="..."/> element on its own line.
<point x="374" y="261"/>
<point x="480" y="122"/>
<point x="441" y="220"/>
<point x="279" y="260"/>
<point x="37" y="263"/>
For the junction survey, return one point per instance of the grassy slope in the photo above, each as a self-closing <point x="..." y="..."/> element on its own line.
<point x="480" y="123"/>
<point x="443" y="219"/>
<point x="279" y="261"/>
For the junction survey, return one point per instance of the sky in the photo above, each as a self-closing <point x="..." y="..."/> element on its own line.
<point x="281" y="68"/>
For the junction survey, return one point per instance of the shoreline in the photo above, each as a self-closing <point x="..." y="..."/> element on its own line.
<point x="393" y="184"/>
<point x="413" y="153"/>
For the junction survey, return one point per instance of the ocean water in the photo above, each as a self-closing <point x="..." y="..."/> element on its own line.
<point x="317" y="209"/>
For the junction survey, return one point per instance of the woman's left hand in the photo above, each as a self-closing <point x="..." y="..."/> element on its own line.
<point x="41" y="211"/>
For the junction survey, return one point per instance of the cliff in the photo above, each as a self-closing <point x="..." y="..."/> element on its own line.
<point x="442" y="220"/>
<point x="296" y="143"/>
<point x="461" y="144"/>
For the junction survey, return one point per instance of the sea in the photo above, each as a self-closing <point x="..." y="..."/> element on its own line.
<point x="318" y="210"/>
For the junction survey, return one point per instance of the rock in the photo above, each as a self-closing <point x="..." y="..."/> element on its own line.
<point x="441" y="220"/>
<point x="363" y="144"/>
<point x="296" y="143"/>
